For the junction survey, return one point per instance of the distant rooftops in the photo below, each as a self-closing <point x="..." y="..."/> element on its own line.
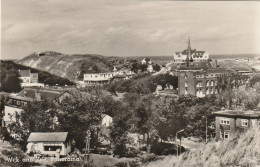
<point x="239" y="113"/>
<point x="195" y="66"/>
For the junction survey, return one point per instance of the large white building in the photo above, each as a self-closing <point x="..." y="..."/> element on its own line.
<point x="190" y="54"/>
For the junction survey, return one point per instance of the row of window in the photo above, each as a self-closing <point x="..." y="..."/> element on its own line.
<point x="18" y="102"/>
<point x="226" y="121"/>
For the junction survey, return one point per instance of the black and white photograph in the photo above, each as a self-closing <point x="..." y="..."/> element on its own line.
<point x="129" y="83"/>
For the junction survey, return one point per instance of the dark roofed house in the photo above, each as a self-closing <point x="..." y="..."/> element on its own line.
<point x="49" y="143"/>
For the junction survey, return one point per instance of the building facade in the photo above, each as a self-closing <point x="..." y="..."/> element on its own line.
<point x="199" y="83"/>
<point x="49" y="143"/>
<point x="98" y="78"/>
<point x="228" y="122"/>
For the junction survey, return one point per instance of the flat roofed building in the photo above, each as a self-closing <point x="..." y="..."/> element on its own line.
<point x="228" y="122"/>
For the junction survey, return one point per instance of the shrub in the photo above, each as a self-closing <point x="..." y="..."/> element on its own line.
<point x="164" y="149"/>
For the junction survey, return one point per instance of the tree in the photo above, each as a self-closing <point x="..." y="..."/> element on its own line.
<point x="34" y="118"/>
<point x="10" y="81"/>
<point x="76" y="115"/>
<point x="119" y="131"/>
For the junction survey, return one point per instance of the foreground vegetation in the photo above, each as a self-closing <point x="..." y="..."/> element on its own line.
<point x="242" y="150"/>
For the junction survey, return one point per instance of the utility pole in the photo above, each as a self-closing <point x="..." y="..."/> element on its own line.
<point x="87" y="145"/>
<point x="177" y="142"/>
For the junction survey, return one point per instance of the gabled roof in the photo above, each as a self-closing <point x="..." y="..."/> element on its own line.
<point x="48" y="137"/>
<point x="28" y="99"/>
<point x="24" y="73"/>
<point x="48" y="94"/>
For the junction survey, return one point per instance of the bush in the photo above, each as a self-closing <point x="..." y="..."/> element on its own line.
<point x="121" y="164"/>
<point x="165" y="149"/>
<point x="131" y="152"/>
<point x="128" y="164"/>
<point x="150" y="158"/>
<point x="15" y="154"/>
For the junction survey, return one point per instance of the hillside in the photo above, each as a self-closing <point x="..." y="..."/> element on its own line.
<point x="74" y="66"/>
<point x="9" y="77"/>
<point x="243" y="150"/>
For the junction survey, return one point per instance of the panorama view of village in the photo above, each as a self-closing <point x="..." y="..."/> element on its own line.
<point x="130" y="84"/>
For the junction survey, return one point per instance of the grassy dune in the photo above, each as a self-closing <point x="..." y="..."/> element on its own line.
<point x="242" y="150"/>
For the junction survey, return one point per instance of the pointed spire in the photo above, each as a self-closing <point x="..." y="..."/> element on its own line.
<point x="189" y="49"/>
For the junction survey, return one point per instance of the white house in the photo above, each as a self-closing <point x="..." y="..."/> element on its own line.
<point x="29" y="79"/>
<point x="106" y="120"/>
<point x="49" y="143"/>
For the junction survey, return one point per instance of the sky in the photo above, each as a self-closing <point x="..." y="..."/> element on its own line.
<point x="128" y="27"/>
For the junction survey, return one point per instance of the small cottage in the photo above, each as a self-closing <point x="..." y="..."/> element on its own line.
<point x="49" y="143"/>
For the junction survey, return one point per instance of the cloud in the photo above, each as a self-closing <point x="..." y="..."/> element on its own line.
<point x="125" y="28"/>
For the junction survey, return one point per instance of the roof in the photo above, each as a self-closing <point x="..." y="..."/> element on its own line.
<point x="238" y="113"/>
<point x="104" y="115"/>
<point x="204" y="65"/>
<point x="218" y="70"/>
<point x="45" y="93"/>
<point x="21" y="98"/>
<point x="48" y="137"/>
<point x="24" y="73"/>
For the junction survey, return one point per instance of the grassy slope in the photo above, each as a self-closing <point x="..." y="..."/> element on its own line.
<point x="72" y="66"/>
<point x="243" y="150"/>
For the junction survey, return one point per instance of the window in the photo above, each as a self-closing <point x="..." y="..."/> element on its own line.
<point x="51" y="148"/>
<point x="225" y="121"/>
<point x="18" y="103"/>
<point x="212" y="83"/>
<point x="186" y="91"/>
<point x="199" y="84"/>
<point x="207" y="92"/>
<point x="244" y="122"/>
<point x="226" y="135"/>
<point x="207" y="83"/>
